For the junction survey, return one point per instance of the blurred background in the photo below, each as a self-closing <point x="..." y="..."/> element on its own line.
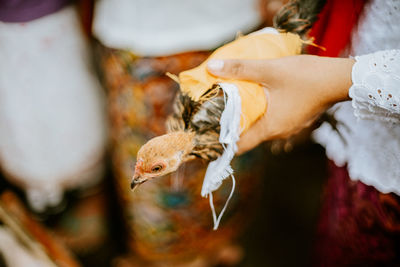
<point x="82" y="87"/>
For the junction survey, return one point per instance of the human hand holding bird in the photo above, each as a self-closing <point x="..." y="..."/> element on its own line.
<point x="298" y="89"/>
<point x="210" y="112"/>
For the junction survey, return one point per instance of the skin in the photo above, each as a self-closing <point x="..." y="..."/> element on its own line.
<point x="298" y="89"/>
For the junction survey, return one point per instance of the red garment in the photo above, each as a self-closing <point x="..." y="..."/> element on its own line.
<point x="333" y="28"/>
<point x="358" y="225"/>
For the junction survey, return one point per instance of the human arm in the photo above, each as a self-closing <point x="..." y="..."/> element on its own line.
<point x="298" y="89"/>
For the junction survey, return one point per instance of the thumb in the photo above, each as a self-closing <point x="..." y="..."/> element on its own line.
<point x="243" y="69"/>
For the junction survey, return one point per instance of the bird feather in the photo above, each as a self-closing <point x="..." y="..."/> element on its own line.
<point x="202" y="118"/>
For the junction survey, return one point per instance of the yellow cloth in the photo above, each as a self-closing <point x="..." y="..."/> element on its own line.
<point x="197" y="81"/>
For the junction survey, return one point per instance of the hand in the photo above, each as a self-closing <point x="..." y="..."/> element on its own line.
<point x="298" y="89"/>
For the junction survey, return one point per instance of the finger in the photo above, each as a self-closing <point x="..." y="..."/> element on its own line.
<point x="251" y="70"/>
<point x="252" y="137"/>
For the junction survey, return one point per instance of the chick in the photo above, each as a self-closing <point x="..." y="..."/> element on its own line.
<point x="162" y="155"/>
<point x="193" y="132"/>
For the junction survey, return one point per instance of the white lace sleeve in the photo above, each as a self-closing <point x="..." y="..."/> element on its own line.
<point x="375" y="91"/>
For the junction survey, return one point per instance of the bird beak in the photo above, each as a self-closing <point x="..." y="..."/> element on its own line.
<point x="136" y="181"/>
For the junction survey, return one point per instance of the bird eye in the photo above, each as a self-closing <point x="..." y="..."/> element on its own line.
<point x="156" y="168"/>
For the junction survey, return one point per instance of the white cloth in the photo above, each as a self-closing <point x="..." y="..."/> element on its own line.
<point x="369" y="126"/>
<point x="219" y="169"/>
<point x="16" y="254"/>
<point x="159" y="28"/>
<point x="52" y="114"/>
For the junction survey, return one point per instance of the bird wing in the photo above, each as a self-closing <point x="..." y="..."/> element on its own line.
<point x="201" y="118"/>
<point x="183" y="110"/>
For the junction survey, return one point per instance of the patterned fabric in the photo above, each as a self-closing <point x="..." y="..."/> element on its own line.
<point x="167" y="218"/>
<point x="359" y="226"/>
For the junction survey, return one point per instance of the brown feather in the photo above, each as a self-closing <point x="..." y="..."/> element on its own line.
<point x="298" y="16"/>
<point x="202" y="119"/>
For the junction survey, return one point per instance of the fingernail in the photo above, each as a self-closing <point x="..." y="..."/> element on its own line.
<point x="215" y="64"/>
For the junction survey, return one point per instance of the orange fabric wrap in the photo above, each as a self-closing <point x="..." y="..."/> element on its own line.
<point x="196" y="81"/>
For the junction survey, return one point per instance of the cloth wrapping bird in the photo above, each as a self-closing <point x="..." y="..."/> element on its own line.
<point x="210" y="113"/>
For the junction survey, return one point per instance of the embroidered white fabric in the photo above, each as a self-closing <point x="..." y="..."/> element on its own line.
<point x="375" y="91"/>
<point x="368" y="136"/>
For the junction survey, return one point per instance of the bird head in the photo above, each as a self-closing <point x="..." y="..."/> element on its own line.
<point x="161" y="156"/>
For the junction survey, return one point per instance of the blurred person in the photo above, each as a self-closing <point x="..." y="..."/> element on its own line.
<point x="359" y="222"/>
<point x="52" y="119"/>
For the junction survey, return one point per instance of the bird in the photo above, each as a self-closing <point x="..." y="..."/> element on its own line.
<point x="206" y="105"/>
<point x="193" y="131"/>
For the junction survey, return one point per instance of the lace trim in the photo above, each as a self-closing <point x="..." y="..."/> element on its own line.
<point x="375" y="91"/>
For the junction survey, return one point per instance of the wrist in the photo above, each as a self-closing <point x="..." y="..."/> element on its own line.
<point x="339" y="81"/>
